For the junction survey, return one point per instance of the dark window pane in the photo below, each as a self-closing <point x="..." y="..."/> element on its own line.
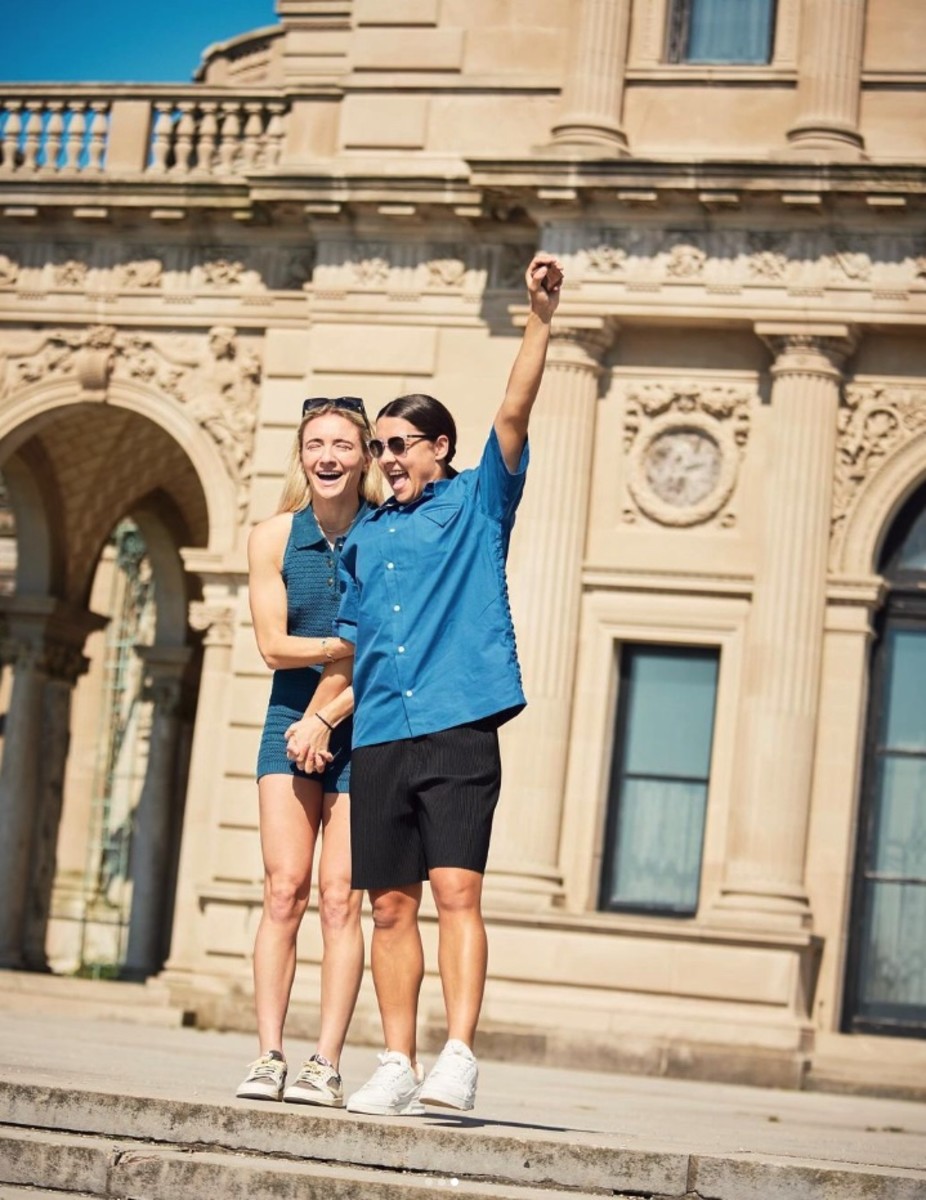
<point x="722" y="31"/>
<point x="657" y="860"/>
<point x="659" y="779"/>
<point x="900" y="834"/>
<point x="670" y="713"/>
<point x="905" y="707"/>
<point x="893" y="974"/>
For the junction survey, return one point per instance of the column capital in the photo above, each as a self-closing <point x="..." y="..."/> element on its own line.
<point x="577" y="341"/>
<point x="819" y="349"/>
<point x="214" y="618"/>
<point x="165" y="668"/>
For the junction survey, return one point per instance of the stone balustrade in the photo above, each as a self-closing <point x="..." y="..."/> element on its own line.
<point x="79" y="131"/>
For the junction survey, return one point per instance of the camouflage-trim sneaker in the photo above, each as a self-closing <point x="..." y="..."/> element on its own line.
<point x="317" y="1083"/>
<point x="266" y="1078"/>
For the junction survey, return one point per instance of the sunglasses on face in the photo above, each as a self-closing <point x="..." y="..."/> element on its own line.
<point x="398" y="446"/>
<point x="348" y="403"/>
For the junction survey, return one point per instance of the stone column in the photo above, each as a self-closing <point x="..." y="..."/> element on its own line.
<point x="829" y="80"/>
<point x="215" y="616"/>
<point x="545" y="573"/>
<point x="764" y="883"/>
<point x="593" y="92"/>
<point x="150" y="860"/>
<point x="65" y="664"/>
<point x="24" y="738"/>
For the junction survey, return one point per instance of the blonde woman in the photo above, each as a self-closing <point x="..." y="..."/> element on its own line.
<point x="292" y="559"/>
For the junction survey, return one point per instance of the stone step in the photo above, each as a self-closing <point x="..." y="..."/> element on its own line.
<point x="67" y="995"/>
<point x="111" y="1145"/>
<point x="107" y="1168"/>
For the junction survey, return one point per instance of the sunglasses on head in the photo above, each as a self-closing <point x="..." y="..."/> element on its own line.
<point x="348" y="403"/>
<point x="398" y="446"/>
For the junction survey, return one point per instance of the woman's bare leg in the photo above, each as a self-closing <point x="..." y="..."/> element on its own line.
<point x="290" y="814"/>
<point x="339" y="909"/>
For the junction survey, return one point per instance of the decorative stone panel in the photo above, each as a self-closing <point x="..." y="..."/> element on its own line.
<point x="684" y="444"/>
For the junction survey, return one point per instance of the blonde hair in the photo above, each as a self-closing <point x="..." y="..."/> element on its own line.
<point x="297" y="491"/>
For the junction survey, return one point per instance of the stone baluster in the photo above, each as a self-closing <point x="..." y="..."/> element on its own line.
<point x="65" y="664"/>
<point x="96" y="147"/>
<point x="215" y="616"/>
<point x="829" y="80"/>
<point x="276" y="132"/>
<point x="253" y="134"/>
<point x="545" y="593"/>
<point x="183" y="138"/>
<point x="208" y="134"/>
<point x="76" y="132"/>
<point x="764" y="881"/>
<point x="11" y="133"/>
<point x="593" y="94"/>
<point x="33" y="139"/>
<point x="231" y="135"/>
<point x="24" y="743"/>
<point x="161" y="135"/>
<point x="53" y="134"/>
<point x="152" y="832"/>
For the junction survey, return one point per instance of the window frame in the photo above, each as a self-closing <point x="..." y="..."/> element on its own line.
<point x="615" y="784"/>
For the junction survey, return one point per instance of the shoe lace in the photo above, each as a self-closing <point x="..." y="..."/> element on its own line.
<point x="390" y="1068"/>
<point x="265" y="1068"/>
<point x="313" y="1070"/>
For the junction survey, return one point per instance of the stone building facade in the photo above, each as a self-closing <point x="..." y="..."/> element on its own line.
<point x="710" y="853"/>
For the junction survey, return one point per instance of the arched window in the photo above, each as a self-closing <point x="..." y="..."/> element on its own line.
<point x="886" y="979"/>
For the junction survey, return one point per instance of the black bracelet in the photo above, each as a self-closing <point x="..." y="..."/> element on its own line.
<point x="323" y="721"/>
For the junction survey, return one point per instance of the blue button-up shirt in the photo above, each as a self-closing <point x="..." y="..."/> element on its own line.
<point x="425" y="599"/>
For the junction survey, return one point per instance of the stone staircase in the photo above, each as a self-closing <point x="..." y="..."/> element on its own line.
<point x="61" y="1142"/>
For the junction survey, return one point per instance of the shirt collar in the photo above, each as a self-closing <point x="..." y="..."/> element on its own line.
<point x="432" y="488"/>
<point x="307" y="531"/>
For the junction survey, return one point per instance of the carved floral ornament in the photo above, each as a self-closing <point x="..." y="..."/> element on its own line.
<point x="733" y="261"/>
<point x="875" y="422"/>
<point x="684" y="444"/>
<point x="214" y="380"/>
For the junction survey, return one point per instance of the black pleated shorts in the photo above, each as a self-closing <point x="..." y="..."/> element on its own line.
<point x="423" y="802"/>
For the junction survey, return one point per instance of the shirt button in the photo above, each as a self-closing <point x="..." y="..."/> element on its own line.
<point x="409" y="693"/>
<point x="390" y="566"/>
<point x="392" y="531"/>
<point x="397" y="608"/>
<point x="401" y="649"/>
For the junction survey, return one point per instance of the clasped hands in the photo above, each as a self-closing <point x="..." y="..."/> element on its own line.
<point x="307" y="744"/>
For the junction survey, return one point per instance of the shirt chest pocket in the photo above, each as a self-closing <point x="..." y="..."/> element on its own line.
<point x="437" y="527"/>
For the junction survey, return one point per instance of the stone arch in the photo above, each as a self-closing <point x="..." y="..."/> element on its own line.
<point x="76" y="461"/>
<point x="32" y="409"/>
<point x="873" y="513"/>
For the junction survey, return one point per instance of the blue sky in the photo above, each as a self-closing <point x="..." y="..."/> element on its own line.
<point x="117" y="41"/>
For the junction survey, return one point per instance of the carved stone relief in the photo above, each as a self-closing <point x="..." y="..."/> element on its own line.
<point x="875" y="422"/>
<point x="214" y="379"/>
<point x="684" y="444"/>
<point x="728" y="261"/>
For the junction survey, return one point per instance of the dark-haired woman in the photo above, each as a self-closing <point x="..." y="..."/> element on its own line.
<point x="292" y="560"/>
<point x="435" y="673"/>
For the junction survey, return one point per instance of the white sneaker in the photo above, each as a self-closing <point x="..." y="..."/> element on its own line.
<point x="392" y="1089"/>
<point x="451" y="1082"/>
<point x="265" y="1081"/>
<point x="317" y="1083"/>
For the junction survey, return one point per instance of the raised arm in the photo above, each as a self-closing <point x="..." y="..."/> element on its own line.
<point x="544" y="279"/>
<point x="267" y="596"/>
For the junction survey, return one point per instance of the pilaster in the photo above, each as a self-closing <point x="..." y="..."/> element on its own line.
<point x="150" y="860"/>
<point x="764" y="881"/>
<point x="214" y="616"/>
<point x="546" y="560"/>
<point x="829" y="80"/>
<point x="593" y="94"/>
